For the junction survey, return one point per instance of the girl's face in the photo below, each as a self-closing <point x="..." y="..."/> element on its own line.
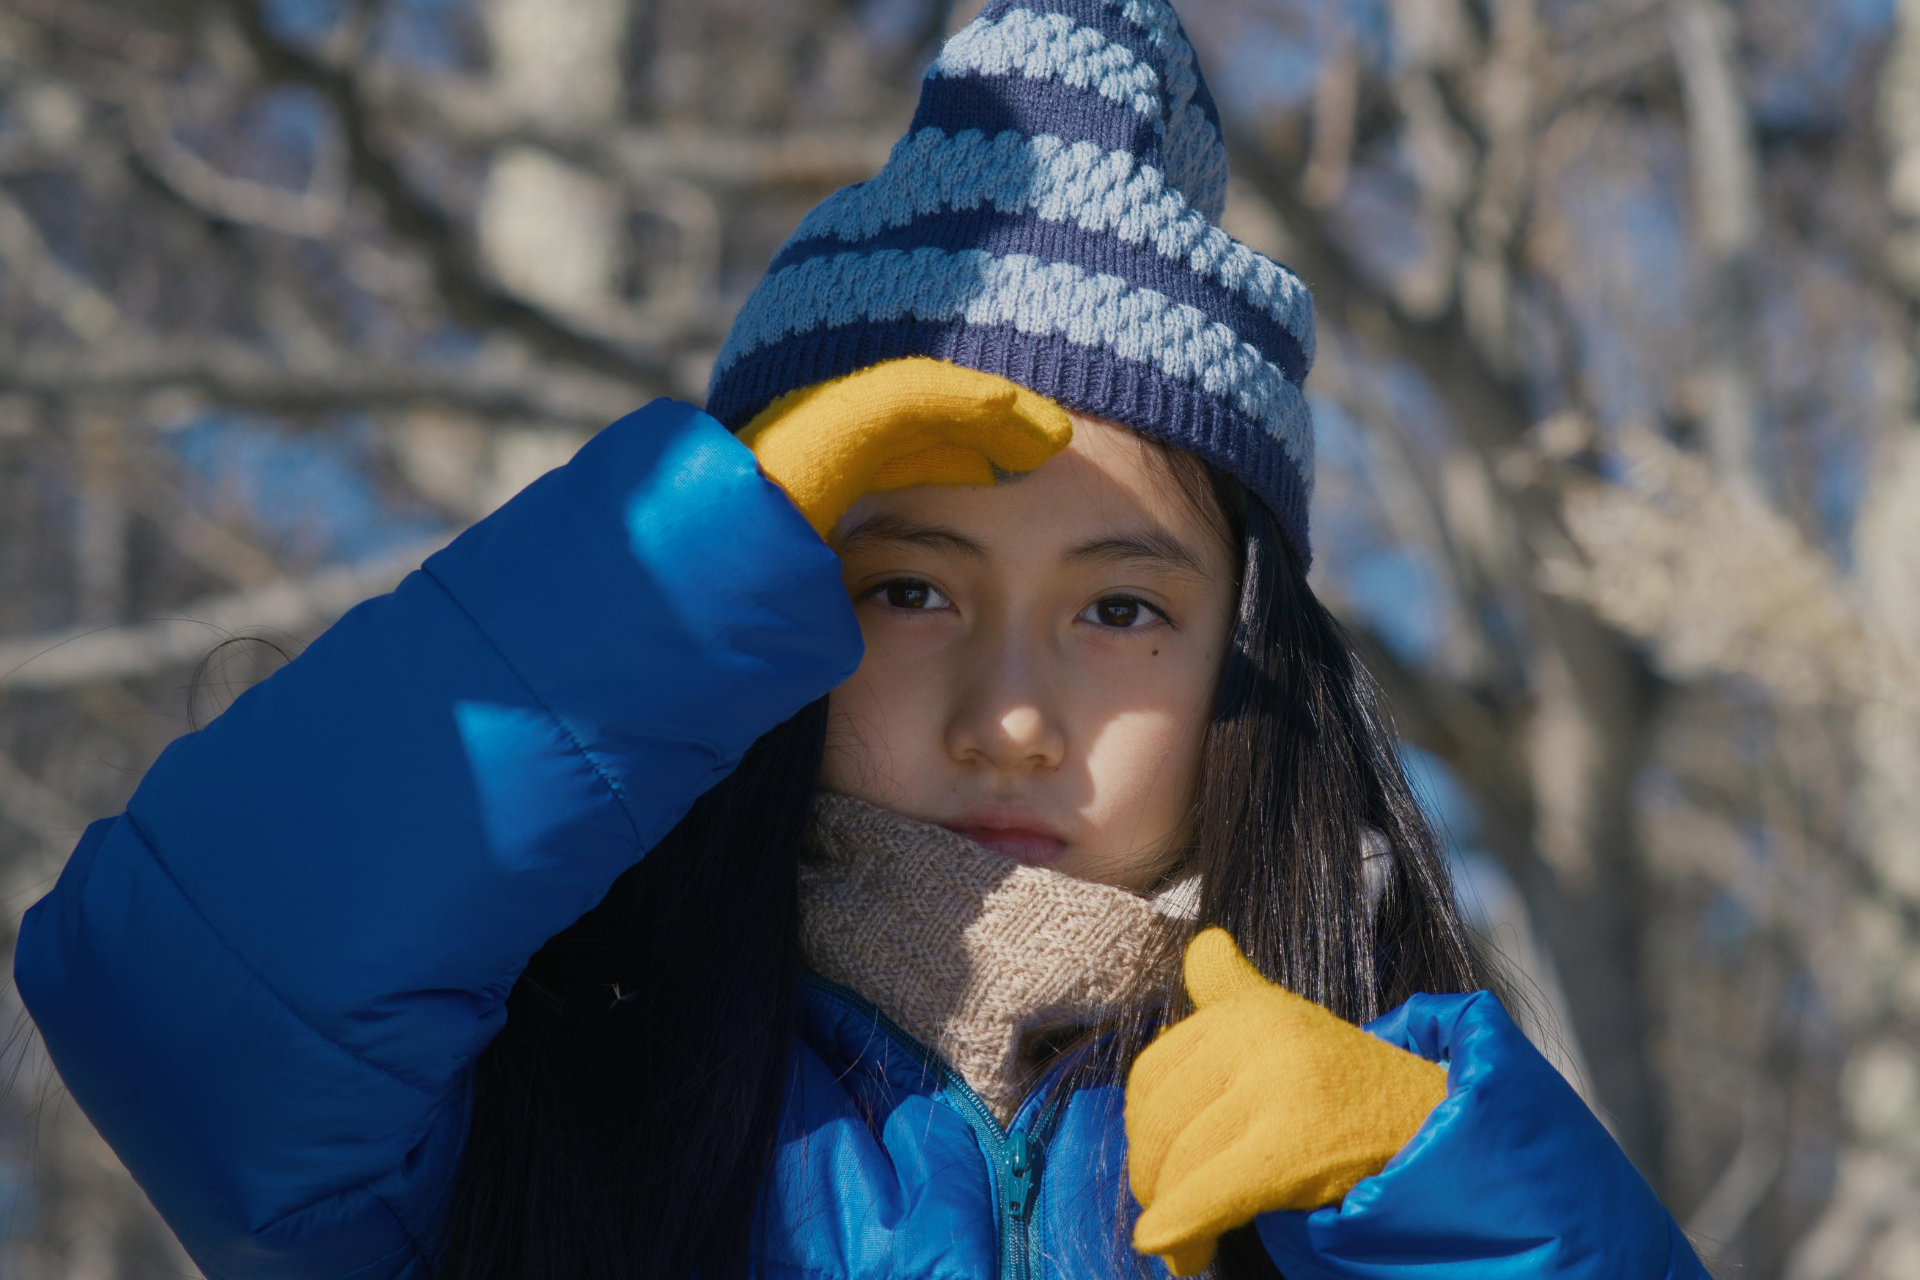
<point x="1041" y="657"/>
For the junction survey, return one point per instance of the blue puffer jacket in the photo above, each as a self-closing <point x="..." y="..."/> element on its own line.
<point x="267" y="980"/>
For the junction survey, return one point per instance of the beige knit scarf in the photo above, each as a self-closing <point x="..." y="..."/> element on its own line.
<point x="985" y="960"/>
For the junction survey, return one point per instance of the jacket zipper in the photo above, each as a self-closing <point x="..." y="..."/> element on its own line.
<point x="1018" y="1157"/>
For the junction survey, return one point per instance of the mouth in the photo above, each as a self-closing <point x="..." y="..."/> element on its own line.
<point x="1017" y="838"/>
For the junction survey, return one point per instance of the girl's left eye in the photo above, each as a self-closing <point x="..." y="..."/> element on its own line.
<point x="1121" y="613"/>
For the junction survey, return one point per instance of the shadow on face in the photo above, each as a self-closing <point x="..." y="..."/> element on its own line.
<point x="1041" y="656"/>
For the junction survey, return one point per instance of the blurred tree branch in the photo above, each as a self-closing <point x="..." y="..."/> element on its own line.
<point x="239" y="376"/>
<point x="472" y="112"/>
<point x="288" y="607"/>
<point x="1533" y="233"/>
<point x="461" y="285"/>
<point x="1727" y="212"/>
<point x="314" y="214"/>
<point x="1589" y="899"/>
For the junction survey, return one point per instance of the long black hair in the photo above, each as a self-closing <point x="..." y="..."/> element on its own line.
<point x="625" y="1117"/>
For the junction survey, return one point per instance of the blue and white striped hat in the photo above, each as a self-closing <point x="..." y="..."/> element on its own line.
<point x="1052" y="216"/>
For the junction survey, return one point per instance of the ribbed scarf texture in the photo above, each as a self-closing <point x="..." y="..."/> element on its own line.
<point x="981" y="958"/>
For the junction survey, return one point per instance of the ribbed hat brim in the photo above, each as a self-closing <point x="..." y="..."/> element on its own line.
<point x="1028" y="226"/>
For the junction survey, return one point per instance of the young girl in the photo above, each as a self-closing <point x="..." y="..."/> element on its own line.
<point x="773" y="854"/>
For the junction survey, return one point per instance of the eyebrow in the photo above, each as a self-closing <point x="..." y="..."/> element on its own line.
<point x="887" y="527"/>
<point x="1150" y="546"/>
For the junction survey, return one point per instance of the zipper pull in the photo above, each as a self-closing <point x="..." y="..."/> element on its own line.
<point x="1023" y="1159"/>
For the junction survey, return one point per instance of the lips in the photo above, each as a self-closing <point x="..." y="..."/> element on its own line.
<point x="1012" y="835"/>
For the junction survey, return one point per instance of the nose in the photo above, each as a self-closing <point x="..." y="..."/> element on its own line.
<point x="1003" y="714"/>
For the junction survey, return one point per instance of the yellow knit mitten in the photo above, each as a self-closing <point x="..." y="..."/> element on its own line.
<point x="898" y="424"/>
<point x="1261" y="1100"/>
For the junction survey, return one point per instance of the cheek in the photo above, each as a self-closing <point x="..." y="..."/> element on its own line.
<point x="1143" y="764"/>
<point x="880" y="724"/>
<point x="1143" y="761"/>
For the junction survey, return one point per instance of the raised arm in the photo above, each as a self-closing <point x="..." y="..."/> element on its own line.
<point x="265" y="982"/>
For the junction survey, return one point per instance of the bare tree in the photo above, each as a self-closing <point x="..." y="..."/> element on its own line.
<point x="1617" y="395"/>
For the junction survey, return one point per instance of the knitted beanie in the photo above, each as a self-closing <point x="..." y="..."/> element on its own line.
<point x="1051" y="216"/>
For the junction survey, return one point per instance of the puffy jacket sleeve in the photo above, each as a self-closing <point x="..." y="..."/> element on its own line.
<point x="267" y="980"/>
<point x="1509" y="1178"/>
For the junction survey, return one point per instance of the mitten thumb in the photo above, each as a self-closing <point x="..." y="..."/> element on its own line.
<point x="1217" y="970"/>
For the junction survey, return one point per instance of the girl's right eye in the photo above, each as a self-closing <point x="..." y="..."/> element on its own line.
<point x="910" y="593"/>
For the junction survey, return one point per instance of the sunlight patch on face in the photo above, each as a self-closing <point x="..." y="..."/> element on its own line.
<point x="1156" y="754"/>
<point x="1040" y="656"/>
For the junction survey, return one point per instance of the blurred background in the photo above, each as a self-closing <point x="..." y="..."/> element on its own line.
<point x="1619" y="490"/>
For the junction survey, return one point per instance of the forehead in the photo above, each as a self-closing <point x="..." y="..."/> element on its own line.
<point x="1106" y="480"/>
